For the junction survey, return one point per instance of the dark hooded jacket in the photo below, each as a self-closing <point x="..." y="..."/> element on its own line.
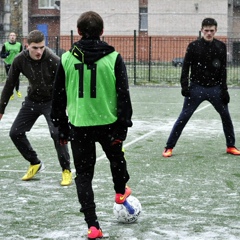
<point x="40" y="75"/>
<point x="92" y="50"/>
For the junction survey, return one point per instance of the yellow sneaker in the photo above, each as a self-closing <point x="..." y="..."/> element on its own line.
<point x="12" y="97"/>
<point x="66" y="178"/>
<point x="19" y="94"/>
<point x="32" y="170"/>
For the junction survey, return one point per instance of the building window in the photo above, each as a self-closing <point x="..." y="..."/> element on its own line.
<point x="46" y="4"/>
<point x="143" y="19"/>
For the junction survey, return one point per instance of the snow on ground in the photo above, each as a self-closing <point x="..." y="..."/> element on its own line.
<point x="188" y="197"/>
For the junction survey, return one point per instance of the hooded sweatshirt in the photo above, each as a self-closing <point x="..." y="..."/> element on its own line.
<point x="40" y="75"/>
<point x="89" y="51"/>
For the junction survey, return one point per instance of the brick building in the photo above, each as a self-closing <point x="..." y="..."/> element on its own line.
<point x="162" y="20"/>
<point x="149" y="17"/>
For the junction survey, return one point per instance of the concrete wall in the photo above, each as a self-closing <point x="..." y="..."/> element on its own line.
<point x="165" y="17"/>
<point x="120" y="17"/>
<point x="184" y="17"/>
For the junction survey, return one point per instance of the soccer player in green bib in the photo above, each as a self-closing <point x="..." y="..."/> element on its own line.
<point x="9" y="51"/>
<point x="91" y="103"/>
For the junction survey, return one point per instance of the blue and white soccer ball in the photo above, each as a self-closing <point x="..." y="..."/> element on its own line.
<point x="129" y="211"/>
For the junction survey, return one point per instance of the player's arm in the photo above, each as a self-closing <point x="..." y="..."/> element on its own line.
<point x="223" y="74"/>
<point x="124" y="106"/>
<point x="184" y="80"/>
<point x="59" y="105"/>
<point x="59" y="100"/>
<point x="4" y="53"/>
<point x="223" y="77"/>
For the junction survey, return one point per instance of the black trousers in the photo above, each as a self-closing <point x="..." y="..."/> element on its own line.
<point x="7" y="67"/>
<point x="83" y="144"/>
<point x="23" y="123"/>
<point x="198" y="94"/>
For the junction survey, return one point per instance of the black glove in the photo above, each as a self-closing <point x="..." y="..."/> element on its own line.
<point x="5" y="54"/>
<point x="63" y="133"/>
<point x="119" y="134"/>
<point x="185" y="92"/>
<point x="225" y="97"/>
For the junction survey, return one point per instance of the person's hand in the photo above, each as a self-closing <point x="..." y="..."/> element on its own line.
<point x="225" y="97"/>
<point x="185" y="92"/>
<point x="1" y="115"/>
<point x="63" y="134"/>
<point x="119" y="135"/>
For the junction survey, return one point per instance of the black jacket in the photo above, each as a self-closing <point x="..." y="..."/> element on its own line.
<point x="93" y="50"/>
<point x="207" y="61"/>
<point x="40" y="75"/>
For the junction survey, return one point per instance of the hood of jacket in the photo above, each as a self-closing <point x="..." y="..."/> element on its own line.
<point x="90" y="50"/>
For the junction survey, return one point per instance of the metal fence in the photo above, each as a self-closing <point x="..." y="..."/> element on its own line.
<point x="149" y="60"/>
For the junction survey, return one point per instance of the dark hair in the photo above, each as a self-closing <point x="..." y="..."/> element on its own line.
<point x="35" y="36"/>
<point x="209" y="22"/>
<point x="90" y="24"/>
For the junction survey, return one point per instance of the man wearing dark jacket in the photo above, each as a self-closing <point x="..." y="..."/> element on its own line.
<point x="206" y="58"/>
<point x="92" y="84"/>
<point x="39" y="64"/>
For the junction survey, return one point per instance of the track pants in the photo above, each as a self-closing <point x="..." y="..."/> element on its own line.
<point x="83" y="144"/>
<point x="27" y="116"/>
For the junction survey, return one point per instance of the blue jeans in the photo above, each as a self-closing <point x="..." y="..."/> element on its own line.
<point x="198" y="94"/>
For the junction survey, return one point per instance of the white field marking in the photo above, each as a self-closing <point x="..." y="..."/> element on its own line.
<point x="132" y="142"/>
<point x="43" y="171"/>
<point x="147" y="134"/>
<point x="200" y="109"/>
<point x="126" y="145"/>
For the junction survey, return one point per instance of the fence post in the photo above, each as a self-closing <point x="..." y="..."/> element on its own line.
<point x="71" y="38"/>
<point x="57" y="44"/>
<point x="150" y="59"/>
<point x="134" y="58"/>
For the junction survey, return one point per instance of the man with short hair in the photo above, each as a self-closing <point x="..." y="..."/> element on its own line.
<point x="39" y="64"/>
<point x="92" y="85"/>
<point x="206" y="58"/>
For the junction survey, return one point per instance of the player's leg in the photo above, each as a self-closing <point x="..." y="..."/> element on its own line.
<point x="197" y="96"/>
<point x="23" y="123"/>
<point x="7" y="68"/>
<point x="19" y="94"/>
<point x="84" y="156"/>
<point x="62" y="150"/>
<point x="118" y="164"/>
<point x="228" y="129"/>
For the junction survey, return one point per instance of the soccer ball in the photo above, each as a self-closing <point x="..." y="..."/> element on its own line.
<point x="129" y="211"/>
